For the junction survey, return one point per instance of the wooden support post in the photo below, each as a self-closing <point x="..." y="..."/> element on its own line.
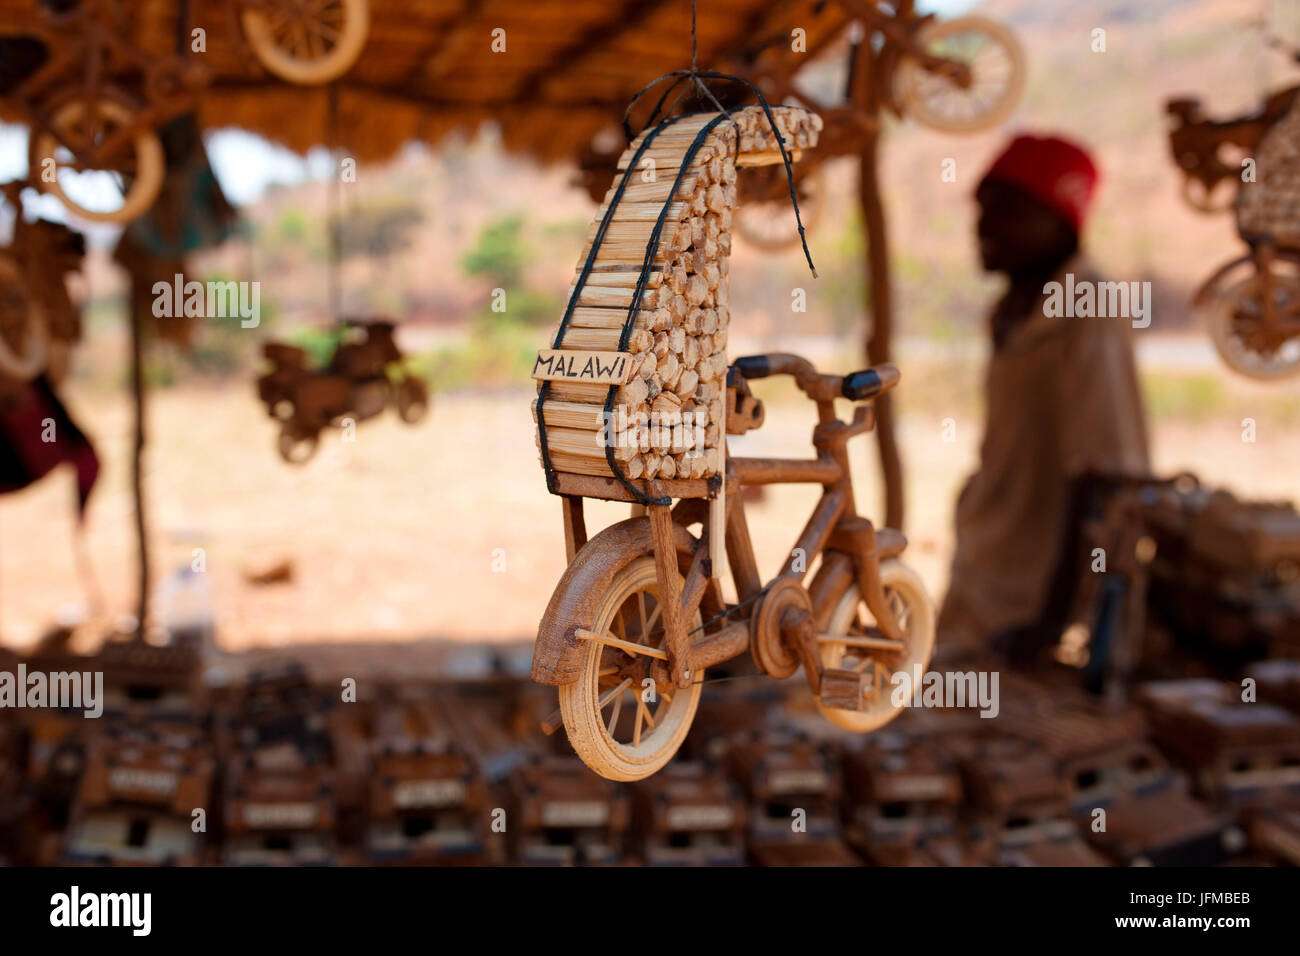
<point x="575" y="526"/>
<point x="718" y="531"/>
<point x="868" y="79"/>
<point x="137" y="466"/>
<point x="676" y="640"/>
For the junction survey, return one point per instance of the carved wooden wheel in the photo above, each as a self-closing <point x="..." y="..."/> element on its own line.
<point x="295" y="444"/>
<point x="1245" y="342"/>
<point x="612" y="722"/>
<point x="307" y="41"/>
<point x="911" y="607"/>
<point x="117" y="188"/>
<point x="767" y="221"/>
<point x="412" y="400"/>
<point x="997" y="76"/>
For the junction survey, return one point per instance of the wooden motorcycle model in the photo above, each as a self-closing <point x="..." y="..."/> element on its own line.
<point x="962" y="75"/>
<point x="39" y="322"/>
<point x="639" y="615"/>
<point x="1252" y="302"/>
<point x="93" y="99"/>
<point x="364" y="376"/>
<point x="1200" y="147"/>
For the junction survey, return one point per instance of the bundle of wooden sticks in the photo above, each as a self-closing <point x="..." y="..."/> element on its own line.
<point x="668" y="411"/>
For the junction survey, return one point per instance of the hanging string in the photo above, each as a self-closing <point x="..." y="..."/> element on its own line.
<point x="677" y="76"/>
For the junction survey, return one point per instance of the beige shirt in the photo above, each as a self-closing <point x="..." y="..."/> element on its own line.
<point x="1063" y="398"/>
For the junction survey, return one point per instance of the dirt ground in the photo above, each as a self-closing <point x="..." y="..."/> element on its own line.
<point x="445" y="529"/>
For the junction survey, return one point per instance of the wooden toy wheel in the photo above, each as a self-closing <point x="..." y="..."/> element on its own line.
<point x="768" y="223"/>
<point x="1244" y="342"/>
<point x="139" y="171"/>
<point x="1209" y="200"/>
<point x="615" y="731"/>
<point x="24" y="338"/>
<point x="295" y="445"/>
<point x="997" y="66"/>
<point x="912" y="609"/>
<point x="307" y="41"/>
<point x="412" y="400"/>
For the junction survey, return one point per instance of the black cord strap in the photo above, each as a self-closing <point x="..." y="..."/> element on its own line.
<point x="652" y="246"/>
<point x="578" y="287"/>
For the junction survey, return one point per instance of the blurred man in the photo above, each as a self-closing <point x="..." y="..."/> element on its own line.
<point x="1061" y="395"/>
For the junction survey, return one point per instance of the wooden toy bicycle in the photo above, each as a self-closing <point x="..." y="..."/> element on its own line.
<point x="94" y="99"/>
<point x="635" y="400"/>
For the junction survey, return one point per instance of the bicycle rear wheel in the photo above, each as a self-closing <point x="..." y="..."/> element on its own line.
<point x="905" y="594"/>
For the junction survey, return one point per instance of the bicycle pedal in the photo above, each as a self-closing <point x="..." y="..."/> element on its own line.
<point x="846" y="690"/>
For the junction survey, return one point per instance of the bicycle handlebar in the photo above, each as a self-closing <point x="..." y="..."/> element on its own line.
<point x="856" y="386"/>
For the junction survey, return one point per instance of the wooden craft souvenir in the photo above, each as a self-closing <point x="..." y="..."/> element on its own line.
<point x="1018" y="793"/>
<point x="561" y="815"/>
<point x="793" y="787"/>
<point x="366" y="374"/>
<point x="959" y="76"/>
<point x="1164" y="826"/>
<point x="428" y="801"/>
<point x="1275" y="833"/>
<point x="39" y="322"/>
<point x="899" y="790"/>
<point x="137" y="796"/>
<point x="1251" y="302"/>
<point x="1199" y="146"/>
<point x="1238" y="753"/>
<point x="305" y="43"/>
<point x="1278" y="682"/>
<point x="638" y="617"/>
<point x="1194" y="576"/>
<point x="279" y="809"/>
<point x="689" y="815"/>
<point x="94" y="100"/>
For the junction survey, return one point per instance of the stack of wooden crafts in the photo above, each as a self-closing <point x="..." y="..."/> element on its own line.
<point x="667" y="417"/>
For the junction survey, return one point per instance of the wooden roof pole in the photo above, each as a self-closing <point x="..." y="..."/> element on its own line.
<point x="137" y="455"/>
<point x="865" y="94"/>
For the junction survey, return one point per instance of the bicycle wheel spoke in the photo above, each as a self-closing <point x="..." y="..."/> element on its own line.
<point x="649" y="718"/>
<point x="609" y="695"/>
<point x="618" y="709"/>
<point x="654" y="616"/>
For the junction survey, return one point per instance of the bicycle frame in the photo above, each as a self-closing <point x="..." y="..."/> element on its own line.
<point x="848" y="543"/>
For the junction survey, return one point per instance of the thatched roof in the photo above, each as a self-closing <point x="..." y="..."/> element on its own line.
<point x="427" y="69"/>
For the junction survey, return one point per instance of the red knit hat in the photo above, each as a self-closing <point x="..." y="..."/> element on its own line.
<point x="1054" y="171"/>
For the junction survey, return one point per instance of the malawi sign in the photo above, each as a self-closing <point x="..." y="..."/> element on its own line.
<point x="565" y="365"/>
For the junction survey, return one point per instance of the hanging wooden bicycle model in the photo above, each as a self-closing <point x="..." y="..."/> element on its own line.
<point x="635" y="400"/>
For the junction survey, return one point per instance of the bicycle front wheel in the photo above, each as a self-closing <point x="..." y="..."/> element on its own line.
<point x="621" y="725"/>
